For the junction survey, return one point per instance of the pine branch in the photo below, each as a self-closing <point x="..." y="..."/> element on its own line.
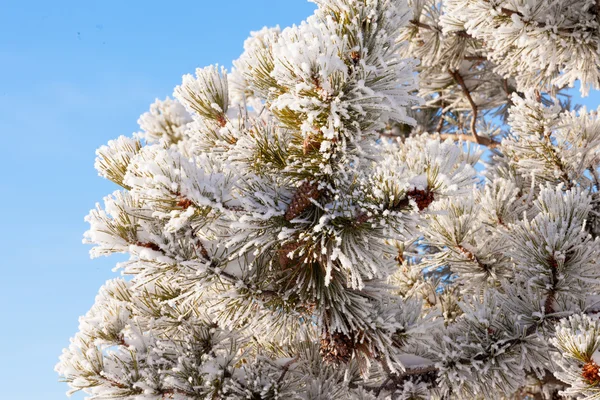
<point x="509" y="13"/>
<point x="396" y="381"/>
<point x="473" y="258"/>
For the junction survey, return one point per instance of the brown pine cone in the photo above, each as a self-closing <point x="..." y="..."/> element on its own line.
<point x="590" y="372"/>
<point x="302" y="199"/>
<point x="310" y="144"/>
<point x="336" y="348"/>
<point x="421" y="197"/>
<point x="284" y="260"/>
<point x="184" y="203"/>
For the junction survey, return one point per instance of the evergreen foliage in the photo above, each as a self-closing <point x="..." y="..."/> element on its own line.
<point x="319" y="222"/>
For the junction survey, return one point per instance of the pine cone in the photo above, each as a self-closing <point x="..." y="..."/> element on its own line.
<point x="361" y="218"/>
<point x="302" y="199"/>
<point x="284" y="259"/>
<point x="310" y="144"/>
<point x="336" y="348"/>
<point x="590" y="372"/>
<point x="421" y="197"/>
<point x="184" y="203"/>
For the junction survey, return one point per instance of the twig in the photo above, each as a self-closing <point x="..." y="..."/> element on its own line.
<point x="467" y="138"/>
<point x="475" y="58"/>
<point x="509" y="13"/>
<point x="394" y="381"/>
<point x="440" y="123"/>
<point x="505" y="87"/>
<point x="484" y="141"/>
<point x="595" y="175"/>
<point x="286" y="368"/>
<point x="424" y="25"/>
<point x="459" y="79"/>
<point x="549" y="303"/>
<point x="385" y="382"/>
<point x="436" y="29"/>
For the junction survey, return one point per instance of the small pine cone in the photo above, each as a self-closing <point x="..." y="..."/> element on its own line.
<point x="310" y="144"/>
<point x="336" y="348"/>
<point x="284" y="260"/>
<point x="590" y="372"/>
<point x="423" y="198"/>
<point x="362" y="217"/>
<point x="302" y="199"/>
<point x="184" y="203"/>
<point x="221" y="120"/>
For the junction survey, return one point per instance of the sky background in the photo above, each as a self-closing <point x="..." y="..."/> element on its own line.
<point x="73" y="75"/>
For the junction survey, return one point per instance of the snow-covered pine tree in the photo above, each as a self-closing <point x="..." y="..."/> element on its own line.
<point x="317" y="225"/>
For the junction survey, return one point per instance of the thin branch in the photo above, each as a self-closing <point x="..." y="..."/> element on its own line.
<point x="395" y="381"/>
<point x="484" y="141"/>
<point x="459" y="79"/>
<point x="440" y="123"/>
<point x="509" y="13"/>
<point x="595" y="175"/>
<point x="549" y="303"/>
<point x="475" y="58"/>
<point x="506" y="89"/>
<point x="472" y="257"/>
<point x="286" y="368"/>
<point x="390" y="135"/>
<point x="385" y="382"/>
<point x="423" y="25"/>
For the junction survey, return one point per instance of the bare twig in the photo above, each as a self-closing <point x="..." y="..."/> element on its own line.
<point x="437" y="29"/>
<point x="385" y="382"/>
<point x="475" y="58"/>
<point x="484" y="141"/>
<point x="467" y="138"/>
<point x="460" y="81"/>
<point x="505" y="87"/>
<point x="286" y="368"/>
<point x="509" y="13"/>
<point x="395" y="381"/>
<point x="424" y="25"/>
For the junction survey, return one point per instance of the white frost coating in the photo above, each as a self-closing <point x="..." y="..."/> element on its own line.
<point x="166" y="120"/>
<point x="297" y="229"/>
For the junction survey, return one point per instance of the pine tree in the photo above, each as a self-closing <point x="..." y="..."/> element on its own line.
<point x="391" y="200"/>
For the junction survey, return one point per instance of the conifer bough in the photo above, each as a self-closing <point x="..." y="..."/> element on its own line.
<point x="316" y="224"/>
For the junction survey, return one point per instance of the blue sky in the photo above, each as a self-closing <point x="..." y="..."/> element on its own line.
<point x="73" y="75"/>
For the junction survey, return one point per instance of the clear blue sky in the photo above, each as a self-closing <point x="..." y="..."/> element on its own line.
<point x="73" y="75"/>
